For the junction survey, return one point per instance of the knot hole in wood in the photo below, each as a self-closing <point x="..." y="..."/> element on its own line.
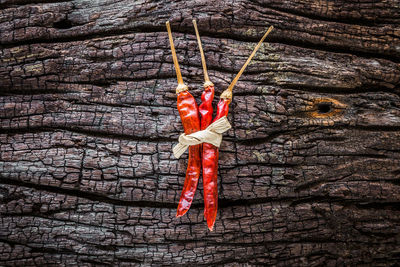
<point x="326" y="108"/>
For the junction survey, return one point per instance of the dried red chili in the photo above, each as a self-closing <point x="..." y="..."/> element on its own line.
<point x="209" y="159"/>
<point x="210" y="152"/>
<point x="189" y="113"/>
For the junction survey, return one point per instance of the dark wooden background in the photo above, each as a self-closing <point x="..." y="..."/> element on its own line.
<point x="309" y="173"/>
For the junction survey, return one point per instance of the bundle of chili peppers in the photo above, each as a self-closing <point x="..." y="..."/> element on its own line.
<point x="203" y="156"/>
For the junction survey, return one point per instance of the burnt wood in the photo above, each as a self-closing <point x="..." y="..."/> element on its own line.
<point x="309" y="174"/>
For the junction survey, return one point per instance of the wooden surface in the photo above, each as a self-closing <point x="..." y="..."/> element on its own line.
<point x="309" y="174"/>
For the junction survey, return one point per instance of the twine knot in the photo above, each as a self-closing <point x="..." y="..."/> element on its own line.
<point x="212" y="134"/>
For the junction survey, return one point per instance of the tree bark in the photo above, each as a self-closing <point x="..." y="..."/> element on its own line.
<point x="309" y="174"/>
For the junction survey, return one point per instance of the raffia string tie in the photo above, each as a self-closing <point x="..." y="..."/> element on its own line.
<point x="212" y="134"/>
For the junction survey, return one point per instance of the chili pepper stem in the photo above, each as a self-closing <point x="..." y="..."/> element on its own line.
<point x="227" y="94"/>
<point x="181" y="85"/>
<point x="207" y="81"/>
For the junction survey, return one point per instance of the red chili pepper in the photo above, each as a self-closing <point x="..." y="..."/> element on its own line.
<point x="188" y="110"/>
<point x="209" y="157"/>
<point x="189" y="113"/>
<point x="211" y="153"/>
<point x="210" y="171"/>
<point x="209" y="161"/>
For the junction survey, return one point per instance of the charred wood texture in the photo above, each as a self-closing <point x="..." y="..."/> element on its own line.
<point x="309" y="173"/>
